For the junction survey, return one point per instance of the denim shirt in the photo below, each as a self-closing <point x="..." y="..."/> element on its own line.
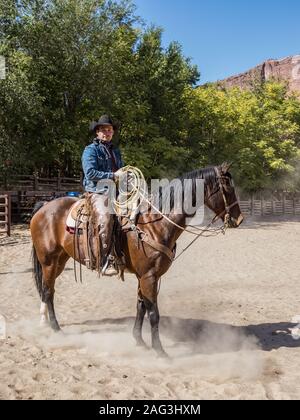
<point x="97" y="164"/>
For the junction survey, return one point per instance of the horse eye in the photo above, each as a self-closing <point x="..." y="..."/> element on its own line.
<point x="229" y="182"/>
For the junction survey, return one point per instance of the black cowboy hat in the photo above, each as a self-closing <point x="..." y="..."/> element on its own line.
<point x="103" y="120"/>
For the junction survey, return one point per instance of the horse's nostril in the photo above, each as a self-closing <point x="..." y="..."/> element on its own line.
<point x="234" y="223"/>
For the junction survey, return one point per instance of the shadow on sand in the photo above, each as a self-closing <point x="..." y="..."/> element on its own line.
<point x="208" y="337"/>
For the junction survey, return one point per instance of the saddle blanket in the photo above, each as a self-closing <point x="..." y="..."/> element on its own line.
<point x="73" y="216"/>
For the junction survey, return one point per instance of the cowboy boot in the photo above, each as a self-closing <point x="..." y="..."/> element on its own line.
<point x="110" y="266"/>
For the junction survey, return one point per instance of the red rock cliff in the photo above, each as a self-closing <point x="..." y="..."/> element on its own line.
<point x="287" y="69"/>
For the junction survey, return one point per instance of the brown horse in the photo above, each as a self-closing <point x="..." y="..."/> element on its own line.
<point x="53" y="246"/>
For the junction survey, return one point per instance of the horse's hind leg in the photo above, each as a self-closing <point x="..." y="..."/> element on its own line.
<point x="140" y="314"/>
<point x="44" y="314"/>
<point x="49" y="300"/>
<point x="50" y="273"/>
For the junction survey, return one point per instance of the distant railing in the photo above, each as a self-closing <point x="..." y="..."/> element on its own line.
<point x="25" y="190"/>
<point x="285" y="205"/>
<point x="35" y="183"/>
<point x="5" y="214"/>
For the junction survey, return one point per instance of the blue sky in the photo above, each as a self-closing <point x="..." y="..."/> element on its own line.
<point x="226" y="37"/>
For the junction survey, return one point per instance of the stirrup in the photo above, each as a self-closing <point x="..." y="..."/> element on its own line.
<point x="109" y="268"/>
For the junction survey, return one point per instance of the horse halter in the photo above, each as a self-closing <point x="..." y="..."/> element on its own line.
<point x="227" y="219"/>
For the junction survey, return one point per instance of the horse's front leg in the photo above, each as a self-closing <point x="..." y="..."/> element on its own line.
<point x="148" y="285"/>
<point x="140" y="314"/>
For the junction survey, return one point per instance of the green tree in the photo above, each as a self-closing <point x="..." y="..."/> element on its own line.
<point x="258" y="130"/>
<point x="70" y="61"/>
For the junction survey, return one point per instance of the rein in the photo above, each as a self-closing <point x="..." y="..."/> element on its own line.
<point x="201" y="231"/>
<point x="215" y="218"/>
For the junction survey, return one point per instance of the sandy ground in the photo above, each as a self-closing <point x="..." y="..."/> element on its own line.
<point x="227" y="308"/>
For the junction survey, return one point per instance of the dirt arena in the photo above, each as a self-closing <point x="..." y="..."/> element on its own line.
<point x="226" y="307"/>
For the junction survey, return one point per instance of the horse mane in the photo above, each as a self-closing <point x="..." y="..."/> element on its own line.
<point x="207" y="174"/>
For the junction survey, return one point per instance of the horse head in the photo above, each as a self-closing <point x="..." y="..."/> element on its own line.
<point x="221" y="197"/>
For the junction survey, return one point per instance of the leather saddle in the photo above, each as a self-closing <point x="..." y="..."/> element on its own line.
<point x="78" y="213"/>
<point x="80" y="223"/>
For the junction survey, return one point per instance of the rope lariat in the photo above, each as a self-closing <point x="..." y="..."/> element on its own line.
<point x="135" y="192"/>
<point x="131" y="191"/>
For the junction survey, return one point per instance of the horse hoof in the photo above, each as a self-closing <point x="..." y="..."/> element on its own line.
<point x="142" y="344"/>
<point x="44" y="323"/>
<point x="161" y="354"/>
<point x="56" y="328"/>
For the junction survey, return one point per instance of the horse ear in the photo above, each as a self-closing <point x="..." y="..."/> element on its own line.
<point x="225" y="167"/>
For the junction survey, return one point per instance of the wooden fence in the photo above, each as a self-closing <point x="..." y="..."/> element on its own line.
<point x="35" y="183"/>
<point x="271" y="206"/>
<point x="5" y="214"/>
<point x="23" y="202"/>
<point x="26" y="190"/>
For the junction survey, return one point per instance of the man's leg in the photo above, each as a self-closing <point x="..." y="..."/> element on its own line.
<point x="106" y="223"/>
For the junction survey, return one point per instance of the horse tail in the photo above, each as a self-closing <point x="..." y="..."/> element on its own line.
<point x="37" y="273"/>
<point x="36" y="265"/>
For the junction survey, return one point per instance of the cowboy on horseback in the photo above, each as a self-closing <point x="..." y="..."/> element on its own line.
<point x="101" y="161"/>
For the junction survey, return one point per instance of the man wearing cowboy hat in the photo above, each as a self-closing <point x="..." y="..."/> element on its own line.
<point x="101" y="161"/>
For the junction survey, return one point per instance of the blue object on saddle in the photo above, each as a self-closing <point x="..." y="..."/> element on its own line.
<point x="73" y="194"/>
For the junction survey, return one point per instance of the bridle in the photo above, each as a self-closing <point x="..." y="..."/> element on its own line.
<point x="199" y="231"/>
<point x="227" y="219"/>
